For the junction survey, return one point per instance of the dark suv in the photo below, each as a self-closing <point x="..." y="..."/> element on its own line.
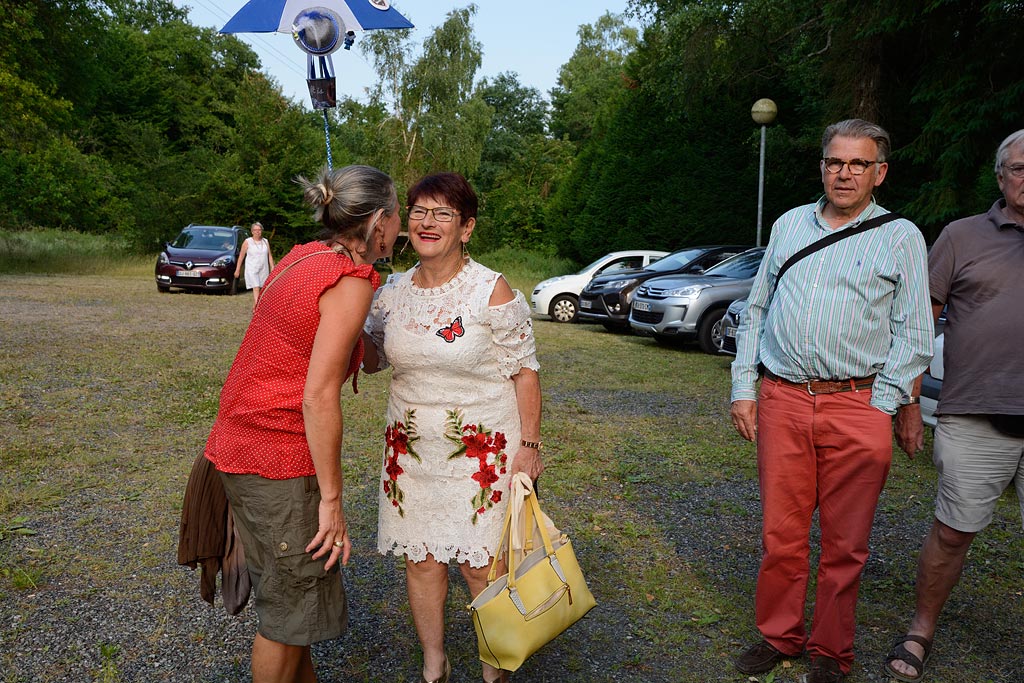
<point x="606" y="298"/>
<point x="202" y="257"/>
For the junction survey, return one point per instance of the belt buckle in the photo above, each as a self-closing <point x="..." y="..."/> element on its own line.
<point x="809" y="390"/>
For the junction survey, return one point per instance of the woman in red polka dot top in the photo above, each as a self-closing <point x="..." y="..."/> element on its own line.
<point x="277" y="438"/>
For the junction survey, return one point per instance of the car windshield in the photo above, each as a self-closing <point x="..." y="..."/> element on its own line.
<point x="213" y="239"/>
<point x="739" y="266"/>
<point x="675" y="261"/>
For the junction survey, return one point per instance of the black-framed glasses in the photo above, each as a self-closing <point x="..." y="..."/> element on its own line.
<point x="442" y="214"/>
<point x="1016" y="170"/>
<point x="856" y="166"/>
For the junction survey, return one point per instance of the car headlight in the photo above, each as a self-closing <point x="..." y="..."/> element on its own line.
<point x="162" y="259"/>
<point x="689" y="291"/>
<point x="620" y="284"/>
<point x="222" y="262"/>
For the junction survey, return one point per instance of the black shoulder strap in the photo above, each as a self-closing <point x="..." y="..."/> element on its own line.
<point x="832" y="239"/>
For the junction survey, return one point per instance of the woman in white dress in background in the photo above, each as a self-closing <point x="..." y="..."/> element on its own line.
<point x="463" y="409"/>
<point x="258" y="261"/>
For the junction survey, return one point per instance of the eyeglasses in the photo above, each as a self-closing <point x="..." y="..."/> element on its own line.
<point x="1016" y="170"/>
<point x="441" y="214"/>
<point x="856" y="166"/>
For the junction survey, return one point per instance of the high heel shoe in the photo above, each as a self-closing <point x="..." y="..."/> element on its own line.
<point x="445" y="675"/>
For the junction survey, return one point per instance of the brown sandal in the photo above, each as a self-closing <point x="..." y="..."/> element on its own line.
<point x="899" y="652"/>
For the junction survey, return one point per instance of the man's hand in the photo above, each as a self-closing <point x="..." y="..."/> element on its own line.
<point x="744" y="418"/>
<point x="909" y="429"/>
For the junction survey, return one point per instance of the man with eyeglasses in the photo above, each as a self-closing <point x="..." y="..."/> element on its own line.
<point x="975" y="271"/>
<point x="838" y="336"/>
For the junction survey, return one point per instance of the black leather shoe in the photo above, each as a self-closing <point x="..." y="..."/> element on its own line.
<point x="825" y="670"/>
<point x="759" y="658"/>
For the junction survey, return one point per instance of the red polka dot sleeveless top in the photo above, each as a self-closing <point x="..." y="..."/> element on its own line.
<point x="259" y="427"/>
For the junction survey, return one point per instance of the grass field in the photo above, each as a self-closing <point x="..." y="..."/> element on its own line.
<point x="109" y="390"/>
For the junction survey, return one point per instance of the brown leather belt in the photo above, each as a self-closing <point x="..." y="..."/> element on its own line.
<point x="826" y="386"/>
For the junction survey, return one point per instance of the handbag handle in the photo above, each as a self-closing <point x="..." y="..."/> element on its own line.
<point x="522" y="489"/>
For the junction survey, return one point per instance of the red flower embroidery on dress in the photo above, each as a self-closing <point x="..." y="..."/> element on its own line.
<point x="477" y="442"/>
<point x="399" y="439"/>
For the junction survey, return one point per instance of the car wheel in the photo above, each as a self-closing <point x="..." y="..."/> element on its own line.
<point x="563" y="309"/>
<point x="233" y="288"/>
<point x="163" y="289"/>
<point x="709" y="336"/>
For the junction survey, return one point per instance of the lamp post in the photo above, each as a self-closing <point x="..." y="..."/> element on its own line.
<point x="763" y="112"/>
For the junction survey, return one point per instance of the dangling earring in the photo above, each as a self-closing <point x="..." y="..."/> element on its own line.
<point x="382" y="246"/>
<point x="465" y="251"/>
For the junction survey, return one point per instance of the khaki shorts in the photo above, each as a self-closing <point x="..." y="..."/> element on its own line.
<point x="976" y="463"/>
<point x="297" y="602"/>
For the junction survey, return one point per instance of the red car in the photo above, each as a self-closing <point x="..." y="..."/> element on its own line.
<point x="202" y="257"/>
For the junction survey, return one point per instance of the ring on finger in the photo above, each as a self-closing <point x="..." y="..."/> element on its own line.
<point x="339" y="544"/>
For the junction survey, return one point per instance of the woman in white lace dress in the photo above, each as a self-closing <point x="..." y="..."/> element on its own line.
<point x="463" y="410"/>
<point x="258" y="261"/>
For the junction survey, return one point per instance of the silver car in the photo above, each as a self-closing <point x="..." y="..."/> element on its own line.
<point x="687" y="307"/>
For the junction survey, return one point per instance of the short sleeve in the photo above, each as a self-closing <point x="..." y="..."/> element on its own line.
<point x="512" y="330"/>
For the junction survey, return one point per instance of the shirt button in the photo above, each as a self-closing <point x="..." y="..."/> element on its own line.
<point x="283" y="546"/>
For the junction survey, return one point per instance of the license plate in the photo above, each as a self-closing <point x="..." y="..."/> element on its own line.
<point x="729" y="332"/>
<point x="641" y="306"/>
<point x="189" y="273"/>
<point x="586" y="304"/>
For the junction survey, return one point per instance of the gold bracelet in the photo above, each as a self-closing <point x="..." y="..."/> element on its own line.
<point x="531" y="444"/>
<point x="911" y="400"/>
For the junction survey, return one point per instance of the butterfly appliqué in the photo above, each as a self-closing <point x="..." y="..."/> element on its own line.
<point x="450" y="332"/>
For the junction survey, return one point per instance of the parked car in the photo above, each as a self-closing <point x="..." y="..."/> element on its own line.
<point x="730" y="323"/>
<point x="559" y="297"/>
<point x="686" y="307"/>
<point x="606" y="298"/>
<point x="202" y="257"/>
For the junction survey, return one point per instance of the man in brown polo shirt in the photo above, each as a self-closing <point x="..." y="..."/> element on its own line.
<point x="975" y="271"/>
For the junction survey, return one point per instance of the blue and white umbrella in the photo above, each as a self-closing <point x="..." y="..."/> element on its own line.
<point x="319" y="28"/>
<point x="269" y="16"/>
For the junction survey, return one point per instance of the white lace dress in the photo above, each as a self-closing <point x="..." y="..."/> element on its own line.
<point x="453" y="421"/>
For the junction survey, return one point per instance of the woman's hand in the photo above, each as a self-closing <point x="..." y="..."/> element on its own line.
<point x="528" y="460"/>
<point x="332" y="537"/>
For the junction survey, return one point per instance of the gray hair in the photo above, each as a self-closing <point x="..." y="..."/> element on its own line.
<point x="349" y="201"/>
<point x="857" y="128"/>
<point x="1003" y="152"/>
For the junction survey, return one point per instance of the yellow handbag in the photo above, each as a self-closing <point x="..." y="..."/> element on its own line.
<point x="542" y="594"/>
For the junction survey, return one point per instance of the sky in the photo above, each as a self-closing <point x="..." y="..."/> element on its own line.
<point x="533" y="38"/>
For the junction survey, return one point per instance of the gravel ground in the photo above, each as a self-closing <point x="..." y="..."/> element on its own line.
<point x="111" y="605"/>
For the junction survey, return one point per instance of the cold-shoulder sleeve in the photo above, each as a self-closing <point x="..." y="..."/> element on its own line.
<point x="512" y="330"/>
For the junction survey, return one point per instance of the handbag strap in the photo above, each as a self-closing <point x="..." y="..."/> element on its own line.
<point x="522" y="494"/>
<point x="832" y="238"/>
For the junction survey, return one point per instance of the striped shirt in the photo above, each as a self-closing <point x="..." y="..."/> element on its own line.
<point x="855" y="308"/>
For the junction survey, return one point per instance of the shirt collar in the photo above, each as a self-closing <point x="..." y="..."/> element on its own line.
<point x="997" y="216"/>
<point x="868" y="212"/>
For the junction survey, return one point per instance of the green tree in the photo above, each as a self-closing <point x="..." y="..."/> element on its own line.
<point x="586" y="83"/>
<point x="435" y="122"/>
